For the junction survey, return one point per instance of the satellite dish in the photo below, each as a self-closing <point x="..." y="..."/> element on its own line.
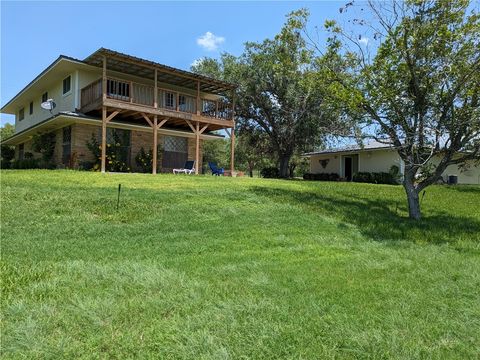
<point x="48" y="105"/>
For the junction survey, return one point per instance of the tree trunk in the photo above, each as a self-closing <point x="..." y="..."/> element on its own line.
<point x="250" y="169"/>
<point x="412" y="199"/>
<point x="284" y="168"/>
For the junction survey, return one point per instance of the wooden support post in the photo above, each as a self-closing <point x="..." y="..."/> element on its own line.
<point x="155" y="95"/>
<point x="198" y="97"/>
<point x="104" y="138"/>
<point x="155" y="144"/>
<point x="232" y="151"/>
<point x="104" y="79"/>
<point x="232" y="136"/>
<point x="197" y="148"/>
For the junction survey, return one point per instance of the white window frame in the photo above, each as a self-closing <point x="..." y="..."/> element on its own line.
<point x="69" y="91"/>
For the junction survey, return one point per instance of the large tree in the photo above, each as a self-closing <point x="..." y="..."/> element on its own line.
<point x="279" y="93"/>
<point x="419" y="92"/>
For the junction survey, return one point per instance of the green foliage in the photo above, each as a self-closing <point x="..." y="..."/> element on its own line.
<point x="144" y="159"/>
<point x="45" y="145"/>
<point x="270" y="172"/>
<point x="420" y="91"/>
<point x="217" y="267"/>
<point x="113" y="154"/>
<point x="279" y="93"/>
<point x="322" y="177"/>
<point x="375" y="178"/>
<point x="27" y="163"/>
<point x="216" y="151"/>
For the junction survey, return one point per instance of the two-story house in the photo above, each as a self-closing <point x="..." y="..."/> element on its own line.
<point x="124" y="101"/>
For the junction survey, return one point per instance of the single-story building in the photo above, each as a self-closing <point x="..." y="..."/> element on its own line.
<point x="374" y="158"/>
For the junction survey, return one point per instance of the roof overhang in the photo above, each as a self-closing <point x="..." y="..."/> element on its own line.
<point x="60" y="120"/>
<point x="347" y="151"/>
<point x="59" y="69"/>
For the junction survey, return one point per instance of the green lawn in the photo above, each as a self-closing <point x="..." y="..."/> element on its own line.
<point x="218" y="268"/>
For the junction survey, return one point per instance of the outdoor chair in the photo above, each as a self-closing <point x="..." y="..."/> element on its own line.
<point x="189" y="168"/>
<point x="215" y="170"/>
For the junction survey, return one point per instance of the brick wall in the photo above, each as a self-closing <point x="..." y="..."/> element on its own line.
<point x="82" y="133"/>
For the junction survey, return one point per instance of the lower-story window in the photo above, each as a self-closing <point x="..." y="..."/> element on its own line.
<point x="175" y="152"/>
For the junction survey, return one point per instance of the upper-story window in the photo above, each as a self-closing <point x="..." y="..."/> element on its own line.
<point x="31" y="108"/>
<point x="21" y="114"/>
<point x="45" y="96"/>
<point x="67" y="85"/>
<point x="170" y="100"/>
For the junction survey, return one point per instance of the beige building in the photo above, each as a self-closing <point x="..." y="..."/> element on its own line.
<point x="375" y="157"/>
<point x="123" y="101"/>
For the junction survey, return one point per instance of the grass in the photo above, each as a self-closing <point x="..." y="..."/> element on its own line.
<point x="222" y="268"/>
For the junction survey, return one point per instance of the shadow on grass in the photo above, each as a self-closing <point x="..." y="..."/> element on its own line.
<point x="381" y="219"/>
<point x="473" y="189"/>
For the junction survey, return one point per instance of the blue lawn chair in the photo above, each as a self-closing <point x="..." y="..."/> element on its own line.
<point x="215" y="170"/>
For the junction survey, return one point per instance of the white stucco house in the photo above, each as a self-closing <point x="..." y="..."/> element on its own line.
<point x="374" y="157"/>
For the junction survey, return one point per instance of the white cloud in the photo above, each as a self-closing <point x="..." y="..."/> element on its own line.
<point x="196" y="62"/>
<point x="363" y="41"/>
<point x="210" y="41"/>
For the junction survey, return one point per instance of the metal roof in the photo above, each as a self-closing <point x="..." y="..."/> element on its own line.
<point x="133" y="65"/>
<point x="353" y="148"/>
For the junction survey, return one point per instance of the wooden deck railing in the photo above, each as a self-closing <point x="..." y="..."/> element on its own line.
<point x="141" y="94"/>
<point x="91" y="93"/>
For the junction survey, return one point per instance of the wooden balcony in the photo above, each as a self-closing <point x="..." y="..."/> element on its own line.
<point x="133" y="97"/>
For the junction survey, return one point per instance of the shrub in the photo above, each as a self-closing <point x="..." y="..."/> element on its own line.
<point x="321" y="177"/>
<point x="375" y="178"/>
<point x="144" y="160"/>
<point x="112" y="155"/>
<point x="45" y="145"/>
<point x="29" y="163"/>
<point x="270" y="172"/>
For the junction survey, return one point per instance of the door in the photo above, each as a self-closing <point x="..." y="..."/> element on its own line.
<point x="348" y="168"/>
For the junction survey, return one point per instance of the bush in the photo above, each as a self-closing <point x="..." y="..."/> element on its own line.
<point x="270" y="172"/>
<point x="144" y="160"/>
<point x="322" y="177"/>
<point x="5" y="164"/>
<point x="112" y="158"/>
<point x="375" y="178"/>
<point x="86" y="165"/>
<point x="29" y="163"/>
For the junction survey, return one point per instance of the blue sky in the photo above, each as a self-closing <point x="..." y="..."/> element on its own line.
<point x="33" y="34"/>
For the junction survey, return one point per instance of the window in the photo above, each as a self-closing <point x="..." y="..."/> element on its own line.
<point x="21" y="114"/>
<point x="186" y="103"/>
<point x="170" y="100"/>
<point x="175" y="152"/>
<point x="118" y="89"/>
<point x="67" y="146"/>
<point x="45" y="97"/>
<point x="21" y="151"/>
<point x="31" y="108"/>
<point x="67" y="85"/>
